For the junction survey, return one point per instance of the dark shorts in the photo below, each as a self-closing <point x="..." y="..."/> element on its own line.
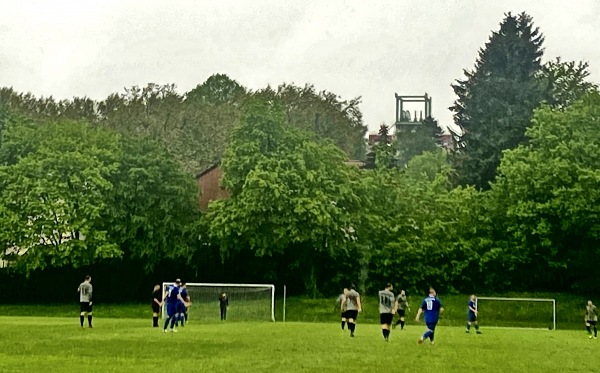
<point x="181" y="308"/>
<point x="155" y="307"/>
<point x="344" y="315"/>
<point x="401" y="313"/>
<point x="85" y="307"/>
<point x="593" y="323"/>
<point x="352" y="314"/>
<point x="171" y="309"/>
<point x="386" y="318"/>
<point x="431" y="326"/>
<point x="472" y="317"/>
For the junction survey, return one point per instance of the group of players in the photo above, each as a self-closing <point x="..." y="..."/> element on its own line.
<point x="389" y="305"/>
<point x="431" y="307"/>
<point x="177" y="300"/>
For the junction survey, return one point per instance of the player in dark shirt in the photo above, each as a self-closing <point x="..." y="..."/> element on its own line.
<point x="182" y="305"/>
<point x="224" y="305"/>
<point x="156" y="304"/>
<point x="472" y="314"/>
<point x="432" y="307"/>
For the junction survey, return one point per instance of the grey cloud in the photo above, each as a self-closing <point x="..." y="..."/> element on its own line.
<point x="353" y="48"/>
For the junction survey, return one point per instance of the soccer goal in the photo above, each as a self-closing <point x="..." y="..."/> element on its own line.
<point x="246" y="301"/>
<point x="534" y="313"/>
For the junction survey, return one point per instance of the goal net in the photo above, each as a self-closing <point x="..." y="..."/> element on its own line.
<point x="534" y="313"/>
<point x="246" y="301"/>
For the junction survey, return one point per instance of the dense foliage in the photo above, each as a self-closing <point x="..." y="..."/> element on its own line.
<point x="72" y="194"/>
<point x="496" y="99"/>
<point x="109" y="185"/>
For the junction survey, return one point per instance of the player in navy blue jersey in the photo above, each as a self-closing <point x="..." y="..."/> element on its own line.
<point x="472" y="314"/>
<point x="171" y="297"/>
<point x="431" y="307"/>
<point x="182" y="305"/>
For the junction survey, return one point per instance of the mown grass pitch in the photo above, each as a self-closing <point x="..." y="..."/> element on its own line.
<point x="40" y="344"/>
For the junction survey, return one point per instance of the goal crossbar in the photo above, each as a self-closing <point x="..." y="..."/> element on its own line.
<point x="165" y="286"/>
<point x="525" y="300"/>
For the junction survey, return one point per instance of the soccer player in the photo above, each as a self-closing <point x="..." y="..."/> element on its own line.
<point x="223" y="305"/>
<point x="353" y="307"/>
<point x="187" y="304"/>
<point x="432" y="307"/>
<point x="400" y="307"/>
<point x="341" y="299"/>
<point x="85" y="300"/>
<point x="591" y="319"/>
<point x="181" y="305"/>
<point x="156" y="304"/>
<point x="386" y="310"/>
<point x="472" y="314"/>
<point x="172" y="295"/>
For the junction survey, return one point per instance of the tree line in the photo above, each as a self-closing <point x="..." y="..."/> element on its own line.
<point x="514" y="206"/>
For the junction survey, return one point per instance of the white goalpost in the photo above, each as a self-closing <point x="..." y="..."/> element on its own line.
<point x="248" y="302"/>
<point x="521" y="315"/>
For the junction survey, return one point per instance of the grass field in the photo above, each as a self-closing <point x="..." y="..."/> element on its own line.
<point x="57" y="344"/>
<point x="36" y="338"/>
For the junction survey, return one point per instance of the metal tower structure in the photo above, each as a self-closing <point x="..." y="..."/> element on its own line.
<point x="404" y="120"/>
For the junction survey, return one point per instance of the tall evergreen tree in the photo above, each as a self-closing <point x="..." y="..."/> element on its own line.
<point x="496" y="100"/>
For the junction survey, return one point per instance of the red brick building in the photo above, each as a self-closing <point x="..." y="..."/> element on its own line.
<point x="209" y="183"/>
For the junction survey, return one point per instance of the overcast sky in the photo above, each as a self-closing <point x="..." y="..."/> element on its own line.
<point x="362" y="48"/>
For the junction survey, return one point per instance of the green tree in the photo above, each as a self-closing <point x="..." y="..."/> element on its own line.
<point x="52" y="196"/>
<point x="415" y="225"/>
<point x="496" y="100"/>
<point x="325" y="114"/>
<point x="548" y="194"/>
<point x="416" y="140"/>
<point x="382" y="153"/>
<point x="290" y="193"/>
<point x="152" y="209"/>
<point x="216" y="90"/>
<point x="72" y="194"/>
<point x="565" y="82"/>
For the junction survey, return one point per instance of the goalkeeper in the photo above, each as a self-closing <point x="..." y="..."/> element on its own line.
<point x="224" y="305"/>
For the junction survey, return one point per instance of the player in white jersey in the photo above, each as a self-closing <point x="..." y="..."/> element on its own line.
<point x="85" y="300"/>
<point x="342" y="303"/>
<point x="386" y="310"/>
<point x="591" y="319"/>
<point x="353" y="307"/>
<point x="400" y="307"/>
